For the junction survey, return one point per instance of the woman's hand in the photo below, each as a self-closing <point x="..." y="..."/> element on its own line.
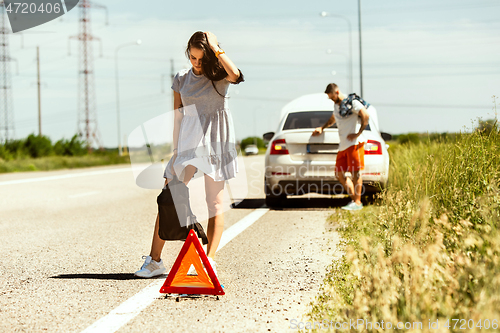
<point x="212" y="41"/>
<point x="233" y="72"/>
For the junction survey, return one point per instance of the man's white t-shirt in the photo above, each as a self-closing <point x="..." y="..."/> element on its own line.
<point x="348" y="125"/>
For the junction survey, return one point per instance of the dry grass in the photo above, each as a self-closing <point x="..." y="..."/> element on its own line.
<point x="430" y="248"/>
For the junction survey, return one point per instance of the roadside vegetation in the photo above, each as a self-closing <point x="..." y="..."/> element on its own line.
<point x="429" y="248"/>
<point x="38" y="153"/>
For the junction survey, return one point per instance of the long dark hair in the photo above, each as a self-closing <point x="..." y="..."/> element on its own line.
<point x="212" y="69"/>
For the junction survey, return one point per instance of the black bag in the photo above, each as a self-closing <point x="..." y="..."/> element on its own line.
<point x="176" y="217"/>
<point x="345" y="107"/>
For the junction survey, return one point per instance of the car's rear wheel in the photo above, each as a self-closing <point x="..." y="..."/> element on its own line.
<point x="369" y="198"/>
<point x="273" y="199"/>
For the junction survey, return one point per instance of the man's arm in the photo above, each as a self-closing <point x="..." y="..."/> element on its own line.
<point x="363" y="114"/>
<point x="329" y="123"/>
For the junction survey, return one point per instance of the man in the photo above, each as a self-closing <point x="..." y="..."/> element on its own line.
<point x="352" y="119"/>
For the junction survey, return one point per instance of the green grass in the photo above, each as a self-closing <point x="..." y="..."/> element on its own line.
<point x="60" y="162"/>
<point x="37" y="153"/>
<point x="430" y="247"/>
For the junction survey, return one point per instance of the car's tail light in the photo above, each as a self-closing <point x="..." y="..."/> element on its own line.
<point x="373" y="147"/>
<point x="279" y="147"/>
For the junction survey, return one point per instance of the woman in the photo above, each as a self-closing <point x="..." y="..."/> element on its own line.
<point x="203" y="137"/>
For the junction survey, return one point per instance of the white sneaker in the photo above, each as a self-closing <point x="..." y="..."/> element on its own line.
<point x="353" y="206"/>
<point x="150" y="268"/>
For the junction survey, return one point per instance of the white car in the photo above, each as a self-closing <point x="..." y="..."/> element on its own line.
<point x="251" y="150"/>
<point x="298" y="163"/>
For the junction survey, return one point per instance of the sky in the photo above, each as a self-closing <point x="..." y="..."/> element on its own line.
<point x="427" y="66"/>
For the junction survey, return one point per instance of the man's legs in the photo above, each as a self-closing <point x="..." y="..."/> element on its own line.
<point x="346" y="183"/>
<point x="358" y="187"/>
<point x="352" y="160"/>
<point x="358" y="164"/>
<point x="353" y="187"/>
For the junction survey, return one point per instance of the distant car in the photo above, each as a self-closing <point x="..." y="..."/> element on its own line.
<point x="298" y="163"/>
<point x="251" y="150"/>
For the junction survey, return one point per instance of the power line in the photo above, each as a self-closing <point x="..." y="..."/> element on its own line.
<point x="108" y="108"/>
<point x="429" y="106"/>
<point x="416" y="9"/>
<point x="434" y="106"/>
<point x="273" y="78"/>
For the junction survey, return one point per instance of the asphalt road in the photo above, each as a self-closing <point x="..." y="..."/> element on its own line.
<point x="71" y="240"/>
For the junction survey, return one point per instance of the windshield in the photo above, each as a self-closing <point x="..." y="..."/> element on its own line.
<point x="309" y="119"/>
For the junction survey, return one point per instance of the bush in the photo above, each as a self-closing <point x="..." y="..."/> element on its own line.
<point x="5" y="154"/>
<point x="415" y="138"/>
<point x="60" y="162"/>
<point x="408" y="138"/>
<point x="37" y="153"/>
<point x="38" y="146"/>
<point x="442" y="137"/>
<point x="487" y="126"/>
<point x="73" y="147"/>
<point x="14" y="149"/>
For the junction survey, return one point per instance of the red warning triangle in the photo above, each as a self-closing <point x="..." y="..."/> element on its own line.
<point x="178" y="282"/>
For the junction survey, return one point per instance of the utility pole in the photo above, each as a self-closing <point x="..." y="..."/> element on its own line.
<point x="87" y="118"/>
<point x="39" y="91"/>
<point x="6" y="112"/>
<point x="325" y="14"/>
<point x="360" y="52"/>
<point x="118" y="123"/>
<point x="172" y="75"/>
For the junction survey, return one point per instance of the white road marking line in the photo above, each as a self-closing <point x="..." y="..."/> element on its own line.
<point x="241" y="225"/>
<point x="72" y="175"/>
<point x="83" y="194"/>
<point x="134" y="305"/>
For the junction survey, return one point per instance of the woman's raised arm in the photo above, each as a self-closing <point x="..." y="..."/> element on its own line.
<point x="233" y="72"/>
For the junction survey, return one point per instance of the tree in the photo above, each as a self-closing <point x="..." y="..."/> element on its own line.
<point x="408" y="138"/>
<point x="73" y="147"/>
<point x="38" y="146"/>
<point x="487" y="126"/>
<point x="250" y="141"/>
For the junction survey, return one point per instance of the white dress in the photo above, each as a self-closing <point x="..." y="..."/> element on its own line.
<point x="206" y="135"/>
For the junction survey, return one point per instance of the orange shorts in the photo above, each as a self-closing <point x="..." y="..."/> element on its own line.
<point x="352" y="159"/>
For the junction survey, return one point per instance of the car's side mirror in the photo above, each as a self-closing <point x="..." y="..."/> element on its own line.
<point x="268" y="136"/>
<point x="386" y="136"/>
